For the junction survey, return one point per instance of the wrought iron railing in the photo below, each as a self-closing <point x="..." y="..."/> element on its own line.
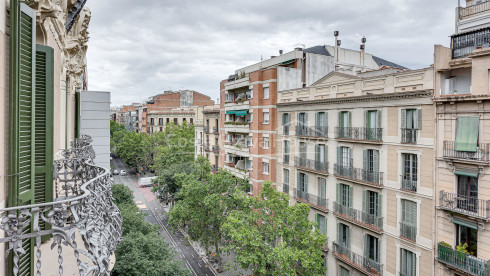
<point x="206" y="129"/>
<point x="467" y="205"/>
<point x="482" y="152"/>
<point x="285" y="188"/>
<point x="408" y="231"/>
<point x="309" y="164"/>
<point x="360" y="262"/>
<point x="366" y="176"/>
<point x="463" y="261"/>
<point x="207" y="147"/>
<point x="464" y="44"/>
<point x="83" y="204"/>
<point x="409" y="135"/>
<point x="216" y="149"/>
<point x="312" y="131"/>
<point x="216" y="130"/>
<point x="311" y="199"/>
<point x="409" y="184"/>
<point x="359" y="217"/>
<point x="359" y="133"/>
<point x="465" y="12"/>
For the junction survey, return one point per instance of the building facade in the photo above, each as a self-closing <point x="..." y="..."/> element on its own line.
<point x="359" y="150"/>
<point x="207" y="134"/>
<point x="52" y="183"/>
<point x="462" y="179"/>
<point x="248" y="120"/>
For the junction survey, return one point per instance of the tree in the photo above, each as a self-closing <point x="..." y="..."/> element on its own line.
<point x="122" y="194"/>
<point x="272" y="238"/>
<point x="130" y="149"/>
<point x="178" y="147"/>
<point x="205" y="201"/>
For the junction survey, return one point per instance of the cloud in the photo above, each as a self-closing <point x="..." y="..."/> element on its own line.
<point x="140" y="48"/>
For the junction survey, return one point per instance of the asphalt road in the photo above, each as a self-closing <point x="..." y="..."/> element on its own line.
<point x="148" y="203"/>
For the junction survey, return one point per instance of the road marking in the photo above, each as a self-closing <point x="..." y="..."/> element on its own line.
<point x="199" y="264"/>
<point x="191" y="267"/>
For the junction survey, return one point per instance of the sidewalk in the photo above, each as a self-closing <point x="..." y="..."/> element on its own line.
<point x="226" y="258"/>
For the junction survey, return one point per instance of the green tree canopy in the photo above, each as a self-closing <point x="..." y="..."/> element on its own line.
<point x="272" y="238"/>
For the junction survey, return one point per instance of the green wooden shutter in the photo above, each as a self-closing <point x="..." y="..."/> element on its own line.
<point x="317" y="153"/>
<point x="349" y="115"/>
<point x="366" y="246"/>
<point x="376" y="161"/>
<point x="403" y="118"/>
<point x="317" y="119"/>
<point x="298" y="182"/>
<point x="21" y="120"/>
<point x="350" y="196"/>
<point x="365" y="201"/>
<point x="339" y="233"/>
<point x="467" y="134"/>
<point x="339" y="156"/>
<point x="379" y="205"/>
<point x="366" y="119"/>
<point x="348" y="237"/>
<point x="306" y="183"/>
<point x="317" y="219"/>
<point x="380" y="120"/>
<point x="338" y="193"/>
<point x="43" y="151"/>
<point x="306" y="120"/>
<point x="350" y="160"/>
<point x="418" y="114"/>
<point x="365" y="160"/>
<point x="403" y="261"/>
<point x="325" y="154"/>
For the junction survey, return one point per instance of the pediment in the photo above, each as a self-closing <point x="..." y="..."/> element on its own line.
<point x="334" y="78"/>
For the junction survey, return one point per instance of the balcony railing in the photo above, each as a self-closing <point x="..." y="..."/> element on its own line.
<point x="462" y="261"/>
<point x="83" y="206"/>
<point x="409" y="184"/>
<point x="465" y="12"/>
<point x="374" y="178"/>
<point x="362" y="218"/>
<point x="285" y="188"/>
<point x="313" y="200"/>
<point x="408" y="231"/>
<point x="206" y="129"/>
<point x="464" y="44"/>
<point x="313" y="165"/>
<point x="216" y="149"/>
<point x="216" y="130"/>
<point x="357" y="261"/>
<point x="207" y="147"/>
<point x="312" y="131"/>
<point x="482" y="152"/>
<point x="467" y="205"/>
<point x="409" y="136"/>
<point x="285" y="130"/>
<point x="359" y="133"/>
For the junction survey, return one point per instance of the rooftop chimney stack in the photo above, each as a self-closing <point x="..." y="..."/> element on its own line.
<point x="280" y="52"/>
<point x="363" y="50"/>
<point x="337" y="44"/>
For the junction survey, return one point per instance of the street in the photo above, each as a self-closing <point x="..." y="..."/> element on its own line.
<point x="148" y="203"/>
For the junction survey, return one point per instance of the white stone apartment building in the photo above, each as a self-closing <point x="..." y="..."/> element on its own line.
<point x="207" y="134"/>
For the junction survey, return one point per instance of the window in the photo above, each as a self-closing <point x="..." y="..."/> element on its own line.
<point x="409" y="177"/>
<point x="249" y="142"/>
<point x="160" y="121"/>
<point x="266" y="92"/>
<point x="192" y="121"/>
<point x="152" y="121"/>
<point x="228" y="97"/>
<point x="302" y="150"/>
<point x="344" y="156"/>
<point x="168" y="120"/>
<point x="285" y="123"/>
<point x="371" y="166"/>
<point x="250" y="94"/>
<point x="321" y="124"/>
<point x="343" y="235"/>
<point x="183" y="120"/>
<point x="285" y="180"/>
<point x="216" y="141"/>
<point x="408" y="225"/>
<point x="161" y="129"/>
<point x="344" y="195"/>
<point x="467" y="134"/>
<point x="176" y="121"/>
<point x="286" y="151"/>
<point x="266" y="117"/>
<point x="467" y="198"/>
<point x="467" y="232"/>
<point x="302" y="120"/>
<point x="408" y="264"/>
<point x="322" y="223"/>
<point x="322" y="188"/>
<point x="345" y="122"/>
<point x="320" y="157"/>
<point x="249" y="165"/>
<point x="371" y="247"/>
<point x="302" y="183"/>
<point x="343" y="271"/>
<point x="372" y="205"/>
<point x="411" y="118"/>
<point x="266" y="142"/>
<point x="266" y="167"/>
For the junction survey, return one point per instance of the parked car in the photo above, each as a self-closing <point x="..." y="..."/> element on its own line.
<point x="122" y="173"/>
<point x="115" y="172"/>
<point x="146" y="181"/>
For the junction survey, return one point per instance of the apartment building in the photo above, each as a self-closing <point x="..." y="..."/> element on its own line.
<point x="462" y="172"/>
<point x="51" y="193"/>
<point x="170" y="106"/>
<point x="359" y="150"/>
<point x="248" y="121"/>
<point x="207" y="134"/>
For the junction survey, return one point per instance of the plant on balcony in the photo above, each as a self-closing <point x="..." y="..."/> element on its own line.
<point x="272" y="238"/>
<point x="462" y="247"/>
<point x="445" y="244"/>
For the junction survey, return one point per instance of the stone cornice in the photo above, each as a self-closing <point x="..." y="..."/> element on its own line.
<point x="364" y="98"/>
<point x="461" y="98"/>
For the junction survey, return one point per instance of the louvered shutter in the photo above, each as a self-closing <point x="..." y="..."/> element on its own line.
<point x="339" y="156"/>
<point x="379" y="205"/>
<point x="350" y="195"/>
<point x="348" y="236"/>
<point x="418" y="113"/>
<point x="340" y="120"/>
<point x="349" y="115"/>
<point x="379" y="116"/>
<point x="317" y="153"/>
<point x="365" y="160"/>
<point x="337" y="198"/>
<point x="376" y="161"/>
<point x="339" y="233"/>
<point x="366" y="119"/>
<point x="21" y="119"/>
<point x="365" y="201"/>
<point x="317" y="120"/>
<point x="403" y="119"/>
<point x="43" y="151"/>
<point x="306" y="183"/>
<point x="366" y="246"/>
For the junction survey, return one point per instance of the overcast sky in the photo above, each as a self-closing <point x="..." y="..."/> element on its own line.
<point x="140" y="48"/>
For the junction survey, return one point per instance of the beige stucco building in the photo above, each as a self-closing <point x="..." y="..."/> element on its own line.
<point x="207" y="134"/>
<point x="359" y="150"/>
<point x="462" y="180"/>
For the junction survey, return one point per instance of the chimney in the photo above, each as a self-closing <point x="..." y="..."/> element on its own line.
<point x="337" y="44"/>
<point x="280" y="52"/>
<point x="363" y="49"/>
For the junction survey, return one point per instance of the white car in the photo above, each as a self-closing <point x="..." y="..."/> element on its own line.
<point x="115" y="172"/>
<point x="122" y="173"/>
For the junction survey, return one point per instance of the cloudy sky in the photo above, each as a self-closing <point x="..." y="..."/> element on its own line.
<point x="140" y="48"/>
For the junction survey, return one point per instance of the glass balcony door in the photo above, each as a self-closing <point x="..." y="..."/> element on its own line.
<point x="467" y="193"/>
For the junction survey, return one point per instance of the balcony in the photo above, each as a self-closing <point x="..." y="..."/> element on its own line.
<point x="466" y="205"/>
<point x="320" y="132"/>
<point x="374" y="135"/>
<point x="237" y="83"/>
<point x="465" y="43"/>
<point x="216" y="130"/>
<point x="243" y="127"/>
<point x="482" y="153"/>
<point x="467" y="12"/>
<point x="409" y="185"/>
<point x="357" y="217"/>
<point x="237" y="147"/>
<point x="408" y="232"/>
<point x="82" y="211"/>
<point x="206" y="129"/>
<point x="409" y="136"/>
<point x="238" y="172"/>
<point x="313" y="200"/>
<point x="361" y="176"/>
<point x="216" y="149"/>
<point x="285" y="188"/>
<point x="311" y="165"/>
<point x="361" y="263"/>
<point x="461" y="261"/>
<point x="207" y="148"/>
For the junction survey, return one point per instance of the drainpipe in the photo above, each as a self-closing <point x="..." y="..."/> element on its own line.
<point x="66" y="114"/>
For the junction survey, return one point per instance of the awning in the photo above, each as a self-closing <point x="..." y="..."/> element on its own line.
<point x="466" y="173"/>
<point x="237" y="112"/>
<point x="466" y="223"/>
